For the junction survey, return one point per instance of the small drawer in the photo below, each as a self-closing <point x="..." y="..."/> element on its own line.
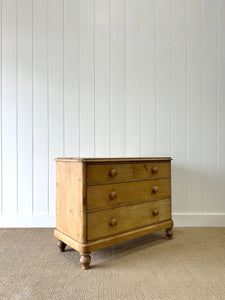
<point x="113" y="221"/>
<point x="151" y="170"/>
<point x="111" y="195"/>
<point x="97" y="174"/>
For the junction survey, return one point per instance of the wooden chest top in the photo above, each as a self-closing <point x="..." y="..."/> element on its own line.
<point x="108" y="160"/>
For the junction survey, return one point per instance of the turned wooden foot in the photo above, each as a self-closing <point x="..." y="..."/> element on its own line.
<point x="169" y="233"/>
<point x="61" y="246"/>
<point x="85" y="260"/>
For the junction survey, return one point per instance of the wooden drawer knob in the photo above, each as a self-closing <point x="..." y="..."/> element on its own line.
<point x="112" y="195"/>
<point x="113" y="172"/>
<point x="155" y="211"/>
<point x="112" y="222"/>
<point x="155" y="189"/>
<point x="154" y="170"/>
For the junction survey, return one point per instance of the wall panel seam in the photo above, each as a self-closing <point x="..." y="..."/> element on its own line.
<point x="17" y="116"/>
<point x="109" y="61"/>
<point x="32" y="107"/>
<point x="187" y="132"/>
<point x="155" y="77"/>
<point x="171" y="78"/>
<point x="1" y="123"/>
<point x="78" y="61"/>
<point x="140" y="76"/>
<point x="202" y="106"/>
<point x="187" y="95"/>
<point x="125" y="77"/>
<point x="48" y="119"/>
<point x="94" y="28"/>
<point x="217" y="91"/>
<point x="63" y="71"/>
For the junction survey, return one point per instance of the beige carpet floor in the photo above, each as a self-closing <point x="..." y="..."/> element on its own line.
<point x="191" y="266"/>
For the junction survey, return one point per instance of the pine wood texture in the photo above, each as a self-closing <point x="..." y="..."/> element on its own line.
<point x="151" y="170"/>
<point x="113" y="195"/>
<point x="97" y="174"/>
<point x="71" y="200"/>
<point x="111" y="240"/>
<point x="101" y="202"/>
<point x="112" y="221"/>
<point x="116" y="159"/>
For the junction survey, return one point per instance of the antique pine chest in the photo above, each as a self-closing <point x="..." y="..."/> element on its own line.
<point x="105" y="201"/>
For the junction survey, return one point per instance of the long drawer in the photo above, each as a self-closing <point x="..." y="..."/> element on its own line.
<point x="113" y="221"/>
<point x="111" y="195"/>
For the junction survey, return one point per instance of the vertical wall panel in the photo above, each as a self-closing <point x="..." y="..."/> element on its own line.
<point x="102" y="113"/>
<point x="71" y="77"/>
<point x="194" y="104"/>
<point x="40" y="106"/>
<point x="25" y="106"/>
<point x="179" y="103"/>
<point x="221" y="105"/>
<point x="56" y="105"/>
<point x="1" y="200"/>
<point x="133" y="134"/>
<point x="209" y="81"/>
<point x="163" y="96"/>
<point x="9" y="106"/>
<point x="86" y="56"/>
<point x="117" y="77"/>
<point x="147" y="77"/>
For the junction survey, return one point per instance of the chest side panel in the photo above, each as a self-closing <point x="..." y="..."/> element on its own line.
<point x="71" y="200"/>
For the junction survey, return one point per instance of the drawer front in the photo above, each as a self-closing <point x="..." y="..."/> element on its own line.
<point x="107" y="196"/>
<point x="113" y="221"/>
<point x="97" y="174"/>
<point x="151" y="170"/>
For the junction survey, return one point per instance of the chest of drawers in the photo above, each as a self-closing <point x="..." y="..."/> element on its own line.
<point x="105" y="201"/>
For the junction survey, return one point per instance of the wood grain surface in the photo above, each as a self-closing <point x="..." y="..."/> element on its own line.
<point x="112" y="195"/>
<point x="70" y="207"/>
<point x="126" y="218"/>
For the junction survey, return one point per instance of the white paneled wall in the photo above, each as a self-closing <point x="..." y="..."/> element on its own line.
<point x="109" y="78"/>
